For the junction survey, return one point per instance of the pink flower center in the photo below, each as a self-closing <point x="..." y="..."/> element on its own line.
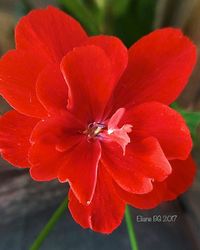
<point x="109" y="130"/>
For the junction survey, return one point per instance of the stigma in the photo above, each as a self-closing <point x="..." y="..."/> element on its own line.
<point x="118" y="134"/>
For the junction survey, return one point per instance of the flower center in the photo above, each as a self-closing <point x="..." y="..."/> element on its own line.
<point x="94" y="129"/>
<point x="109" y="130"/>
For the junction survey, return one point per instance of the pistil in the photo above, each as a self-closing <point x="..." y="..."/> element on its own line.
<point x="94" y="129"/>
<point x="109" y="130"/>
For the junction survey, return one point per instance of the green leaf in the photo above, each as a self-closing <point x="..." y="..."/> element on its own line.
<point x="120" y="6"/>
<point x="82" y="12"/>
<point x="136" y="21"/>
<point x="192" y="119"/>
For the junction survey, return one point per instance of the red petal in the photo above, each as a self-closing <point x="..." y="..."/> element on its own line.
<point x="177" y="183"/>
<point x="158" y="69"/>
<point x="114" y="49"/>
<point x="78" y="164"/>
<point x="47" y="136"/>
<point x="149" y="153"/>
<point x="15" y="130"/>
<point x="143" y="201"/>
<point x="160" y="121"/>
<point x="45" y="161"/>
<point x="18" y="74"/>
<point x="52" y="90"/>
<point x="181" y="178"/>
<point x="135" y="170"/>
<point x="49" y="31"/>
<point x="106" y="210"/>
<point x="80" y="169"/>
<point x="57" y="129"/>
<point x="87" y="71"/>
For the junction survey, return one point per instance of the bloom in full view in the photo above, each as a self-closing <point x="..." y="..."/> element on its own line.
<point x="89" y="112"/>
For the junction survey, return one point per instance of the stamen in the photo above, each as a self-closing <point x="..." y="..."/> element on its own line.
<point x="110" y="132"/>
<point x="94" y="129"/>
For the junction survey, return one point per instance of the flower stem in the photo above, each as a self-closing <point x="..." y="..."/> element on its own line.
<point x="50" y="225"/>
<point x="131" y="231"/>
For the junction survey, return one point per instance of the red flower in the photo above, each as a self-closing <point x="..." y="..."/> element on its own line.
<point x="89" y="112"/>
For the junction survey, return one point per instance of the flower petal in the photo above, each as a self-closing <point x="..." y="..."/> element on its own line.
<point x="15" y="130"/>
<point x="57" y="129"/>
<point x="143" y="162"/>
<point x="177" y="183"/>
<point x="114" y="49"/>
<point x="60" y="151"/>
<point x="45" y="161"/>
<point x="18" y="74"/>
<point x="181" y="178"/>
<point x="45" y="155"/>
<point x="106" y="210"/>
<point x="50" y="31"/>
<point x="158" y="69"/>
<point x="52" y="89"/>
<point x="80" y="169"/>
<point x="88" y="73"/>
<point x="165" y="124"/>
<point x="115" y="119"/>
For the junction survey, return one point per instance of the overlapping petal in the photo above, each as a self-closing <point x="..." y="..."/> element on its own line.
<point x="18" y="74"/>
<point x="57" y="129"/>
<point x="158" y="69"/>
<point x="106" y="210"/>
<point x="165" y="124"/>
<point x="49" y="31"/>
<point x="15" y="130"/>
<point x="80" y="169"/>
<point x="143" y="162"/>
<point x="47" y="153"/>
<point x="45" y="161"/>
<point x="88" y="73"/>
<point x="78" y="165"/>
<point x="52" y="90"/>
<point x="114" y="49"/>
<point x="61" y="151"/>
<point x="178" y="182"/>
